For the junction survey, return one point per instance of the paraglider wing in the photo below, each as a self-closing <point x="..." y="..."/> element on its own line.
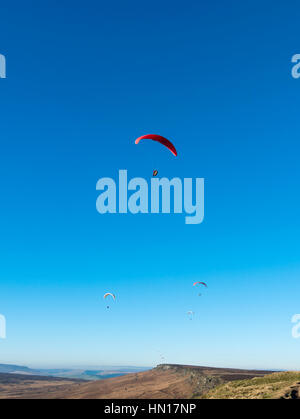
<point x="160" y="139"/>
<point x="109" y="293"/>
<point x="203" y="283"/>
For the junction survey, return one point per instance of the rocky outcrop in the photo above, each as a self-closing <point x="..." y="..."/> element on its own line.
<point x="199" y="380"/>
<point x="203" y="379"/>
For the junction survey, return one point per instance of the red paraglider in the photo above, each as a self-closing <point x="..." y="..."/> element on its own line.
<point x="159" y="139"/>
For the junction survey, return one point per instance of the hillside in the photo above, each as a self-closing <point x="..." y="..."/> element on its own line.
<point x="17" y="369"/>
<point x="23" y="386"/>
<point x="163" y="382"/>
<point x="284" y="385"/>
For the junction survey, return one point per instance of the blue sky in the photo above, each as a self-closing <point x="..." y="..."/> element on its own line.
<point x="84" y="79"/>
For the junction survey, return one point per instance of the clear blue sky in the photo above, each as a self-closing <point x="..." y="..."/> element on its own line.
<point x="84" y="79"/>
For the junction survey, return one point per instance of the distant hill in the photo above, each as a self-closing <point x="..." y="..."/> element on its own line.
<point x="163" y="382"/>
<point x="17" y="369"/>
<point x="89" y="375"/>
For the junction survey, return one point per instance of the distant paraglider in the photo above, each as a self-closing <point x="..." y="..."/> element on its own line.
<point x="109" y="294"/>
<point x="162" y="140"/>
<point x="190" y="314"/>
<point x="200" y="283"/>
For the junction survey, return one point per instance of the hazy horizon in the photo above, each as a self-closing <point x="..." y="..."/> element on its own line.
<point x="119" y="367"/>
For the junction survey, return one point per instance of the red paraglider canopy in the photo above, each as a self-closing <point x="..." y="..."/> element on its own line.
<point x="160" y="139"/>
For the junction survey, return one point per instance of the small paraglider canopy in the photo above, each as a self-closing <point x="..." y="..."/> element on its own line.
<point x="198" y="282"/>
<point x="109" y="293"/>
<point x="155" y="173"/>
<point x="159" y="139"/>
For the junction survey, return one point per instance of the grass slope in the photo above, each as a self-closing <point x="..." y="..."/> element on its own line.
<point x="273" y="386"/>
